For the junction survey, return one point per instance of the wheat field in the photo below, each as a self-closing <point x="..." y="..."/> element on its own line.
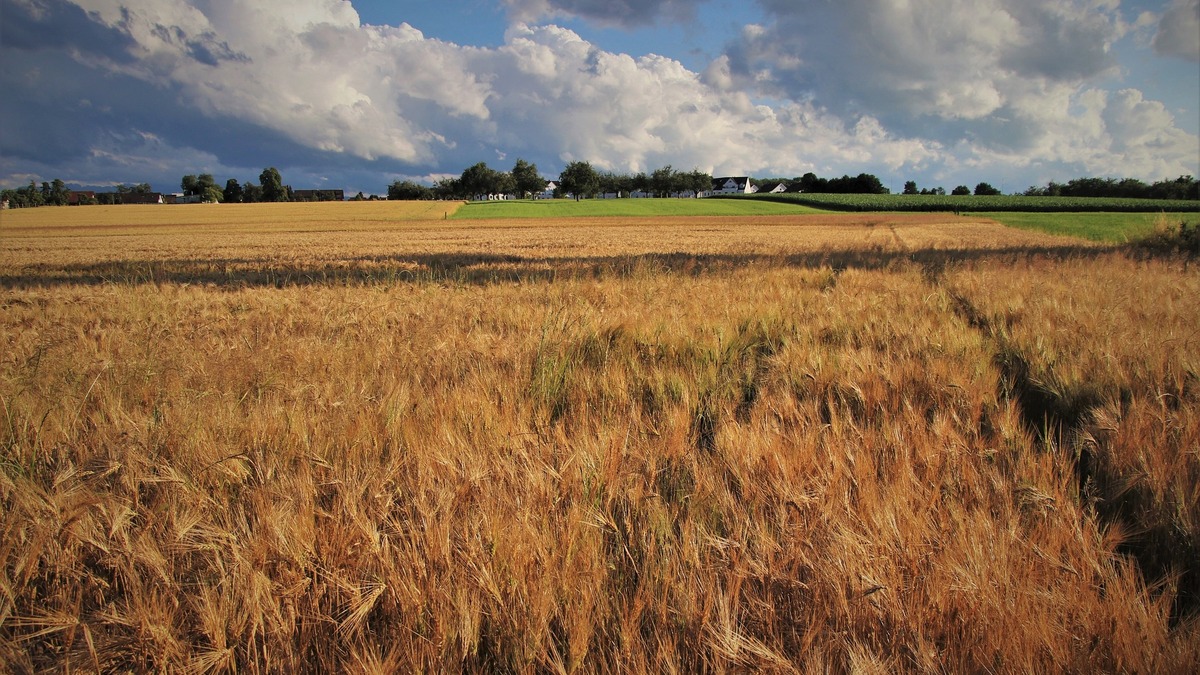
<point x="362" y="439"/>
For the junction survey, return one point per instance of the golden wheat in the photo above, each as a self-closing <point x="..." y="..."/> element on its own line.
<point x="640" y="456"/>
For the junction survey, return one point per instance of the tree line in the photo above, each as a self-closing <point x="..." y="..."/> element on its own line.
<point x="269" y="188"/>
<point x="1184" y="187"/>
<point x="582" y="180"/>
<point x="579" y="179"/>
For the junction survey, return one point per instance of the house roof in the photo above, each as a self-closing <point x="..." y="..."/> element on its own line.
<point x="739" y="181"/>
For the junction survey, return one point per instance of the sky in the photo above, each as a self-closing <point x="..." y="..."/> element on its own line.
<point x="358" y="94"/>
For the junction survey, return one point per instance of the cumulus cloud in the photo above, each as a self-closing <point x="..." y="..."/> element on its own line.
<point x="1008" y="78"/>
<point x="886" y="86"/>
<point x="638" y="114"/>
<point x="317" y="77"/>
<point x="1179" y="30"/>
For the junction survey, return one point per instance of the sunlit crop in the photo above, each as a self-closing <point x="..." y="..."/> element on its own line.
<point x="826" y="443"/>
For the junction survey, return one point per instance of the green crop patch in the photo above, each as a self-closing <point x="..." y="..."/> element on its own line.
<point x="569" y="208"/>
<point x="978" y="204"/>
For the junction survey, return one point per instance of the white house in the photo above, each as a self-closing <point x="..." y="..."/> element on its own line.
<point x="548" y="192"/>
<point x="731" y="185"/>
<point x="774" y="189"/>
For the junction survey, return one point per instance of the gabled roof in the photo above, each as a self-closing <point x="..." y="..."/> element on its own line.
<point x="739" y="181"/>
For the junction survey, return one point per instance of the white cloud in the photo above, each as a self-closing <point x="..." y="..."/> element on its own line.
<point x="312" y="72"/>
<point x="318" y="77"/>
<point x="1179" y="30"/>
<point x="992" y="79"/>
<point x="892" y="86"/>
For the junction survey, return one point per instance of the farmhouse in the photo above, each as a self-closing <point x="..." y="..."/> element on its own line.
<point x="730" y="185"/>
<point x="318" y="196"/>
<point x="76" y="197"/>
<point x="776" y="188"/>
<point x="140" y="198"/>
<point x="548" y="191"/>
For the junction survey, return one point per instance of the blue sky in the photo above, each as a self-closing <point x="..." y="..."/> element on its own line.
<point x="354" y="95"/>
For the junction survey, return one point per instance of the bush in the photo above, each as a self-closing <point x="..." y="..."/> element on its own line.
<point x="1181" y="238"/>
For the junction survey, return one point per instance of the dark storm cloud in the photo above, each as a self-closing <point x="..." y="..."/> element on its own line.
<point x="1179" y="31"/>
<point x="56" y="24"/>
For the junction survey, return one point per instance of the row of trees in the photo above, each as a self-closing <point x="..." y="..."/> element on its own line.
<point x="1184" y="187"/>
<point x="580" y="179"/>
<point x="270" y="188"/>
<point x="476" y="181"/>
<point x="52" y="193"/>
<point x="982" y="189"/>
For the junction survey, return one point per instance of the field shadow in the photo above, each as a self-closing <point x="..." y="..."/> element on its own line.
<point x="485" y="268"/>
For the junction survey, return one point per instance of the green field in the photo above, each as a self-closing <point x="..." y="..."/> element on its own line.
<point x="1115" y="228"/>
<point x="568" y="208"/>
<point x="1120" y="223"/>
<point x="977" y="204"/>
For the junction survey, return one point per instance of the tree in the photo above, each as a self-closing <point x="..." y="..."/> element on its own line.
<point x="528" y="181"/>
<point x="698" y="182"/>
<point x="233" y="191"/>
<point x="961" y="190"/>
<point x="407" y="190"/>
<point x="479" y="180"/>
<point x="273" y="189"/>
<point x="190" y="185"/>
<point x="662" y="181"/>
<point x="640" y="183"/>
<point x="59" y="194"/>
<point x="579" y="179"/>
<point x="809" y="182"/>
<point x="212" y="195"/>
<point x="252" y="193"/>
<point x="983" y="189"/>
<point x="910" y="188"/>
<point x="447" y="188"/>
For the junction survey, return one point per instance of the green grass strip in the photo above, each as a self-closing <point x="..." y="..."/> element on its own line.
<point x="973" y="204"/>
<point x="569" y="208"/>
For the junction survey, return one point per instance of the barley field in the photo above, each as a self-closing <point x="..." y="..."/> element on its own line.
<point x="373" y="438"/>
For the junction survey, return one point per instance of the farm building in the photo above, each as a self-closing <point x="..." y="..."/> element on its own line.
<point x="318" y="196"/>
<point x="729" y="185"/>
<point x="140" y="198"/>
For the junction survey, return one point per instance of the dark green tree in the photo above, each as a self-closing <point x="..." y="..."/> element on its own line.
<point x="527" y="179"/>
<point x="477" y="180"/>
<point x="252" y="193"/>
<point x="698" y="182"/>
<point x="579" y="179"/>
<point x="273" y="189"/>
<point x="448" y="188"/>
<point x="233" y="191"/>
<point x="662" y="181"/>
<point x="408" y="190"/>
<point x="985" y="190"/>
<point x="961" y="190"/>
<point x="910" y="188"/>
